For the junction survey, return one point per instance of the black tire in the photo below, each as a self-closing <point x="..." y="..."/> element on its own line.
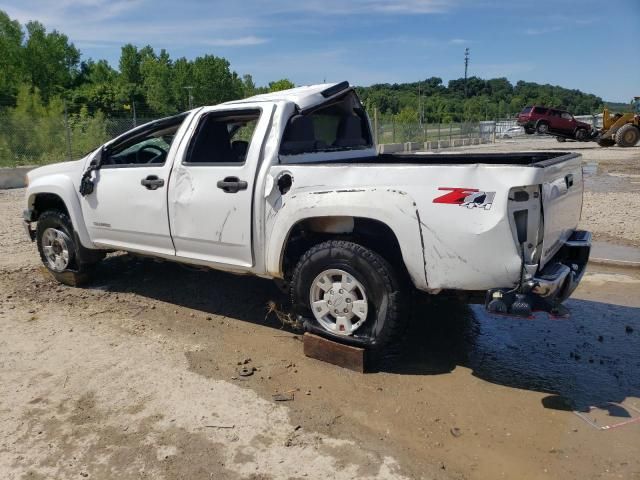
<point x="561" y="139"/>
<point x="628" y="135"/>
<point x="581" y="134"/>
<point x="542" y="128"/>
<point x="529" y="130"/>
<point x="606" y="142"/>
<point x="79" y="267"/>
<point x="385" y="320"/>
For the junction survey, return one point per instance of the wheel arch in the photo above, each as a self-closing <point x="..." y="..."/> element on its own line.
<point x="395" y="237"/>
<point x="58" y="193"/>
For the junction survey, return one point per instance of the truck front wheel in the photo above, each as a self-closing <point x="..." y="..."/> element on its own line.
<point x="350" y="294"/>
<point x="58" y="249"/>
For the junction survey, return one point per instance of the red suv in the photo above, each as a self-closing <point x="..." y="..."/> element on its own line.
<point x="550" y="121"/>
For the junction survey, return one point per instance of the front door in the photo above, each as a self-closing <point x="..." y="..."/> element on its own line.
<point x="128" y="207"/>
<point x="212" y="184"/>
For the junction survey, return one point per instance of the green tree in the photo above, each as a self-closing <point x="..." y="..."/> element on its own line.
<point x="11" y="62"/>
<point x="282" y="84"/>
<point x="248" y="87"/>
<point x="213" y="81"/>
<point x="156" y="73"/>
<point x="50" y="60"/>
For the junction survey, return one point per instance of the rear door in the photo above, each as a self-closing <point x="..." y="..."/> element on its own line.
<point x="212" y="183"/>
<point x="561" y="201"/>
<point x="555" y="120"/>
<point x="568" y="122"/>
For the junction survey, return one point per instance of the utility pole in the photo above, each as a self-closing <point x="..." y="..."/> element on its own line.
<point x="419" y="104"/>
<point x="466" y="66"/>
<point x="135" y="117"/>
<point x="67" y="129"/>
<point x="188" y="89"/>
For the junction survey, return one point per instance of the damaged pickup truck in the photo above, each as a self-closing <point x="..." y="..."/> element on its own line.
<point x="289" y="186"/>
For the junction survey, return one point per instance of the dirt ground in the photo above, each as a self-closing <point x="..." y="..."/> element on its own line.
<point x="137" y="376"/>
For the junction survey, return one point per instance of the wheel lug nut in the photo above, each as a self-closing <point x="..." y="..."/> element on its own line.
<point x="341" y="291"/>
<point x="345" y="310"/>
<point x="348" y="300"/>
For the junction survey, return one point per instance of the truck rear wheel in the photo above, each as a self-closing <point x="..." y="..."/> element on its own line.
<point x="542" y="128"/>
<point x="59" y="250"/>
<point x="350" y="294"/>
<point x="581" y="134"/>
<point x="628" y="135"/>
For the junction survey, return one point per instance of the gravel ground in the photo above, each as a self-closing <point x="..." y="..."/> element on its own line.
<point x="137" y="376"/>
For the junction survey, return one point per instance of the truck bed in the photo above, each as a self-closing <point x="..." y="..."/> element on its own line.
<point x="534" y="159"/>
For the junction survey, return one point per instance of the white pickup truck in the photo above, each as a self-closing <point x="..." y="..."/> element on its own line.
<point x="289" y="186"/>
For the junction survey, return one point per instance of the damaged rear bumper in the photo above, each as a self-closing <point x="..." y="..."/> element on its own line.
<point x="549" y="287"/>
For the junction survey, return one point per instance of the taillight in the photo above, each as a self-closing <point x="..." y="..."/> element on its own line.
<point x="525" y="218"/>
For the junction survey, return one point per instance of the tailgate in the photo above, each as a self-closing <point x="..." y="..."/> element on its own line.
<point x="561" y="201"/>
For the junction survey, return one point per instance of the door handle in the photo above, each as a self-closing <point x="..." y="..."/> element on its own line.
<point x="232" y="185"/>
<point x="152" y="182"/>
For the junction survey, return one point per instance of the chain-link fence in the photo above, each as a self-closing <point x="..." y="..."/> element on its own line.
<point x="37" y="135"/>
<point x="46" y="136"/>
<point x="401" y="132"/>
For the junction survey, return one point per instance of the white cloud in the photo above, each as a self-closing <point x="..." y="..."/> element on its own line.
<point x="542" y="31"/>
<point x="235" y="42"/>
<point x="458" y="41"/>
<point x="360" y="7"/>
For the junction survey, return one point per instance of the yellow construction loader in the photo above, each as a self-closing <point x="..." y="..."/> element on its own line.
<point x="622" y="128"/>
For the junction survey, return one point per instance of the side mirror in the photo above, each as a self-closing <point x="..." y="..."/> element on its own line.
<point x="96" y="161"/>
<point x="87" y="184"/>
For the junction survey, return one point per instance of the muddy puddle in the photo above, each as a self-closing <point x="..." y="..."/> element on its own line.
<point x="589" y="359"/>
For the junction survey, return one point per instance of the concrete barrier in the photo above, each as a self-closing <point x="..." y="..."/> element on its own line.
<point x="476" y="141"/>
<point x="430" y="146"/>
<point x="411" y="146"/>
<point x="457" y="143"/>
<point x="443" y="144"/>
<point x="390" y="147"/>
<point x="13" y="177"/>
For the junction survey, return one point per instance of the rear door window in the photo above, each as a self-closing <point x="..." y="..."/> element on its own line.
<point x="526" y="110"/>
<point x="222" y="138"/>
<point x="341" y="125"/>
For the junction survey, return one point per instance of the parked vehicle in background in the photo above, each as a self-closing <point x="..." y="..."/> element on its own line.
<point x="622" y="129"/>
<point x="289" y="186"/>
<point x="512" y="132"/>
<point x="551" y="121"/>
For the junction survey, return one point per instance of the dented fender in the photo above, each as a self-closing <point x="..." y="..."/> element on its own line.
<point x="394" y="208"/>
<point x="62" y="186"/>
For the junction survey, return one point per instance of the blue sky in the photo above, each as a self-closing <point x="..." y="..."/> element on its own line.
<point x="586" y="44"/>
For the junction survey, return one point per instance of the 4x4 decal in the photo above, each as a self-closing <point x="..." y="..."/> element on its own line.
<point x="466" y="197"/>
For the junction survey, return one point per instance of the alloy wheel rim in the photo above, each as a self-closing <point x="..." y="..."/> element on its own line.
<point x="338" y="302"/>
<point x="56" y="247"/>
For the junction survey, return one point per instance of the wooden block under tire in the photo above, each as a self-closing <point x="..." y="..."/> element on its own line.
<point x="335" y="353"/>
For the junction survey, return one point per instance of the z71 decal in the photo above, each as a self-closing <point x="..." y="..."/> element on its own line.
<point x="466" y="197"/>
